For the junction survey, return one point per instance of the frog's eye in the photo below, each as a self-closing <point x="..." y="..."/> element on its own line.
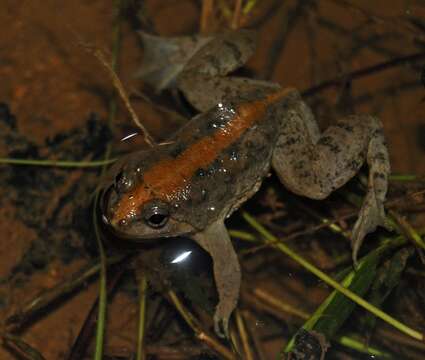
<point x="156" y="215"/>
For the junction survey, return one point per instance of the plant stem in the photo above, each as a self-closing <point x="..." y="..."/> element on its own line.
<point x="328" y="280"/>
<point x="57" y="163"/>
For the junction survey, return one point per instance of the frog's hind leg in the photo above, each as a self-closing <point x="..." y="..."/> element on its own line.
<point x="314" y="165"/>
<point x="165" y="58"/>
<point x="204" y="80"/>
<point x="206" y="92"/>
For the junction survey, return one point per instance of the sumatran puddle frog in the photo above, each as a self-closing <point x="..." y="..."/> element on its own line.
<point x="203" y="173"/>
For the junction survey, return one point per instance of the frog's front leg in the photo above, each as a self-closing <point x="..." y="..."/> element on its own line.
<point x="216" y="241"/>
<point x="314" y="165"/>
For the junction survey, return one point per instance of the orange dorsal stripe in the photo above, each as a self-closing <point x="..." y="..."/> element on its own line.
<point x="169" y="178"/>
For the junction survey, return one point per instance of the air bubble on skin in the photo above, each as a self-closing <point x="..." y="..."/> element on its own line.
<point x="122" y="222"/>
<point x="259" y="323"/>
<point x="218" y="126"/>
<point x="233" y="156"/>
<point x="132" y="213"/>
<point x="179" y="195"/>
<point x="231" y="111"/>
<point x="211" y="208"/>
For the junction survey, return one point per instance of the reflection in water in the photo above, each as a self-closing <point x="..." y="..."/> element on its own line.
<point x="129" y="136"/>
<point x="182" y="257"/>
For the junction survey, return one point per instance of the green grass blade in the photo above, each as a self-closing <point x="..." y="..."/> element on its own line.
<point x="403" y="177"/>
<point x="101" y="321"/>
<point x="249" y="6"/>
<point x="360" y="346"/>
<point x="56" y="163"/>
<point x="101" y="315"/>
<point x="388" y="277"/>
<point x="328" y="280"/>
<point x="140" y="353"/>
<point x="336" y="308"/>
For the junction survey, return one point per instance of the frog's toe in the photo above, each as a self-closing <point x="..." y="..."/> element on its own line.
<point x="372" y="215"/>
<point x="221" y="325"/>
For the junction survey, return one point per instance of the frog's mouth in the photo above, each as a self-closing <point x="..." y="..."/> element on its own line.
<point x="138" y="231"/>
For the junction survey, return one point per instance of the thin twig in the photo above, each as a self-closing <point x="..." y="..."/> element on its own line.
<point x="31" y="308"/>
<point x="243" y="334"/>
<point x="197" y="329"/>
<point x="407" y="230"/>
<point x="292" y="16"/>
<point x="398" y="22"/>
<point x="206" y="15"/>
<point x="236" y="15"/>
<point x="268" y="298"/>
<point x="120" y="88"/>
<point x="364" y="72"/>
<point x="22" y="348"/>
<point x="251" y="321"/>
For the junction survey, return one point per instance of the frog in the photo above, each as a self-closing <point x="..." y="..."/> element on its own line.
<point x="244" y="128"/>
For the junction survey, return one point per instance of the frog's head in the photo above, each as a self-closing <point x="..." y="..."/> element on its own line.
<point x="135" y="204"/>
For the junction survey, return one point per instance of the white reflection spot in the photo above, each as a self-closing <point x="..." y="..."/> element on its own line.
<point x="128" y="136"/>
<point x="182" y="257"/>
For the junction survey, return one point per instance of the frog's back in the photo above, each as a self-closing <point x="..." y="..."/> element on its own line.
<point x="222" y="155"/>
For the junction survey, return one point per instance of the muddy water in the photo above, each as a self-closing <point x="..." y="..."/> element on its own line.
<point x="57" y="93"/>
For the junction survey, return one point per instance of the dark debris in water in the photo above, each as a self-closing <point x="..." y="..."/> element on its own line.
<point x="54" y="202"/>
<point x="6" y="116"/>
<point x="309" y="345"/>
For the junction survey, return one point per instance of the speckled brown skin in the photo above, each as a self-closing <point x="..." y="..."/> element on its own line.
<point x="223" y="151"/>
<point x="218" y="160"/>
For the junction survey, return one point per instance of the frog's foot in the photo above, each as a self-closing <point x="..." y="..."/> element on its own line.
<point x="372" y="215"/>
<point x="221" y="321"/>
<point x="228" y="291"/>
<point x="165" y="58"/>
<point x="216" y="241"/>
